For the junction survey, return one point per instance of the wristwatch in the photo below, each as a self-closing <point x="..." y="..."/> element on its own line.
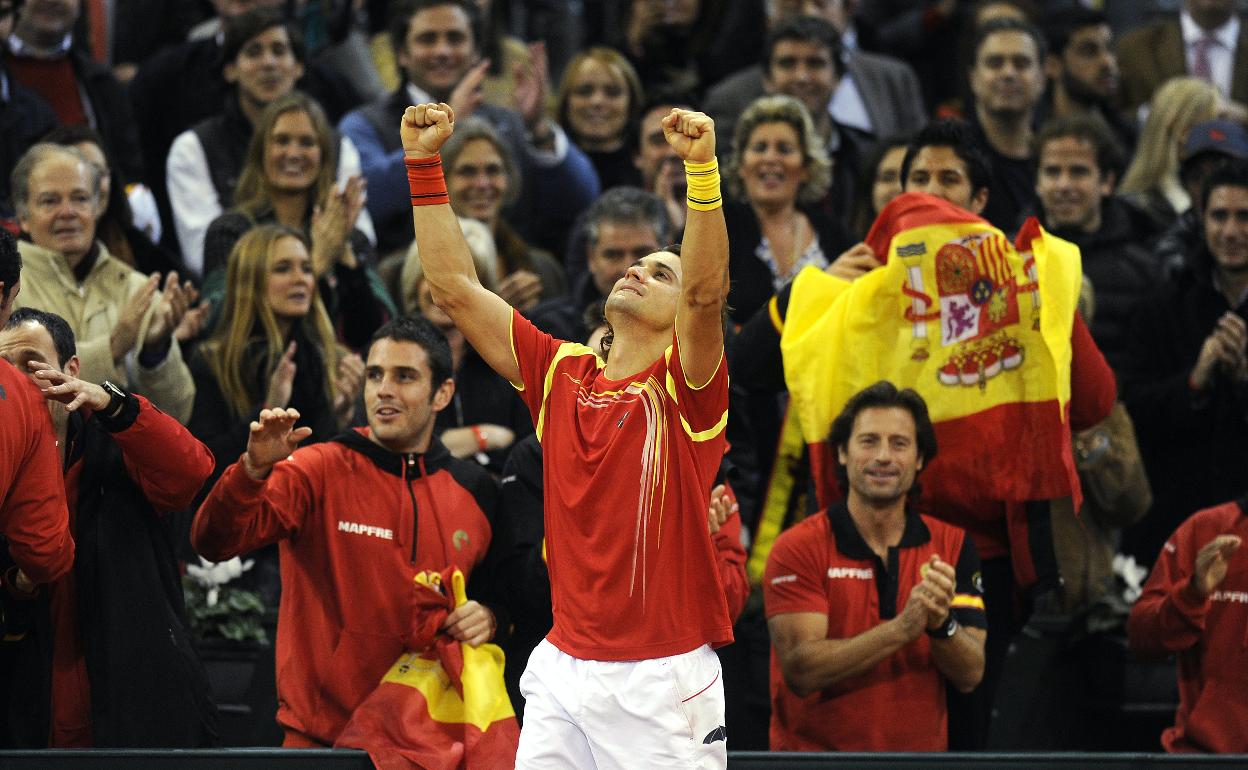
<point x="946" y="630"/>
<point x="116" y="398"/>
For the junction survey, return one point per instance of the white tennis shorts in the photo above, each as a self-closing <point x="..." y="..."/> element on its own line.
<point x="659" y="713"/>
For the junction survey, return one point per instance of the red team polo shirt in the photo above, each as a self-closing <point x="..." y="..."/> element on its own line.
<point x="628" y="469"/>
<point x="823" y="565"/>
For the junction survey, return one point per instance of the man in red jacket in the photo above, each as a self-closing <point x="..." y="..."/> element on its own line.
<point x="33" y="518"/>
<point x="356" y="518"/>
<point x="1195" y="606"/>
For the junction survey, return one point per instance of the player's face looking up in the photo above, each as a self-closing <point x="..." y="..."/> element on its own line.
<point x="648" y="292"/>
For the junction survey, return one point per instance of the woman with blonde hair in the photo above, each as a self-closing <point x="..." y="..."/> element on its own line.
<point x="275" y="347"/>
<point x="288" y="179"/>
<point x="598" y="105"/>
<point x="778" y="174"/>
<point x="1152" y="182"/>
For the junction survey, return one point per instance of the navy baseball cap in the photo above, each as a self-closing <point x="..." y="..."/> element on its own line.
<point x="1224" y="137"/>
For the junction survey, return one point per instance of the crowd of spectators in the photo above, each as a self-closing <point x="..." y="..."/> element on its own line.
<point x="207" y="215"/>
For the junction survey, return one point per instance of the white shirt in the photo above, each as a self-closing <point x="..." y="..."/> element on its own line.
<point x="194" y="198"/>
<point x="1221" y="54"/>
<point x="847" y="106"/>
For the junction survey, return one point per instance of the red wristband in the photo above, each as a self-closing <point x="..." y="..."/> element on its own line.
<point x="425" y="181"/>
<point x="480" y="436"/>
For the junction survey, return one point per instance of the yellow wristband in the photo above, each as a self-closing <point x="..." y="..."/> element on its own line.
<point x="702" y="185"/>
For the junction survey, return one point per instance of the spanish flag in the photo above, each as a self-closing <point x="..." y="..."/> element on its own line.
<point x="978" y="326"/>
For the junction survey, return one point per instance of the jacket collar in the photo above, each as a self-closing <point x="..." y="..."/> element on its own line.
<point x="849" y="540"/>
<point x="56" y="261"/>
<point x="435" y="458"/>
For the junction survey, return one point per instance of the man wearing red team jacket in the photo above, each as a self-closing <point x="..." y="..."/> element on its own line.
<point x="1195" y="606"/>
<point x="627" y="676"/>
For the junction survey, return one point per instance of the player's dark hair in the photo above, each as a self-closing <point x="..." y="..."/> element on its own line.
<point x="883" y="395"/>
<point x="57" y="328"/>
<point x="957" y="136"/>
<point x="420" y="330"/>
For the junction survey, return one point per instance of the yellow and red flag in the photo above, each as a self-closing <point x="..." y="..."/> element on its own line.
<point x="979" y="326"/>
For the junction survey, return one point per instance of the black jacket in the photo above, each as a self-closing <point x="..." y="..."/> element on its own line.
<point x="148" y="688"/>
<point x="24" y="120"/>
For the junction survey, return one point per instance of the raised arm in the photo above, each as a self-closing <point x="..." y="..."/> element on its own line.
<point x="704" y="251"/>
<point x="482" y="316"/>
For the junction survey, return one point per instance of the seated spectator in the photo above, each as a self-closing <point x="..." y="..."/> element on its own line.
<point x="127" y="327"/>
<point x="438" y="45"/>
<point x="486" y="415"/>
<point x="881" y="175"/>
<point x="129" y="223"/>
<point x="1078" y="161"/>
<point x="481" y="179"/>
<point x="115" y="665"/>
<point x="1194" y="607"/>
<point x="779" y="171"/>
<point x="1208" y="145"/>
<point x="622" y="226"/>
<point x="264" y="59"/>
<point x="43" y="55"/>
<point x="1152" y="182"/>
<point x="873" y="607"/>
<point x="355" y="519"/>
<point x="288" y="178"/>
<point x="1185" y="369"/>
<point x="598" y="103"/>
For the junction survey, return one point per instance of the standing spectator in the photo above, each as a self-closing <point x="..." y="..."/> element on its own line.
<point x="115" y="664"/>
<point x="125" y="323"/>
<point x="622" y="226"/>
<point x="288" y="178"/>
<point x="263" y="57"/>
<point x="777" y="175"/>
<point x="1082" y="70"/>
<point x="42" y="55"/>
<point x="1194" y="607"/>
<point x="598" y="104"/>
<point x="438" y="46"/>
<point x="355" y="519"/>
<point x="851" y="591"/>
<point x="1185" y="371"/>
<point x="1078" y="161"/>
<point x="876" y="94"/>
<point x="1007" y="83"/>
<point x="1152" y="180"/>
<point x="33" y="517"/>
<point x="1207" y="41"/>
<point x="482" y="178"/>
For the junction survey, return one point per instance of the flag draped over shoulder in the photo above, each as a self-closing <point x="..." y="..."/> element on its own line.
<point x="978" y="326"/>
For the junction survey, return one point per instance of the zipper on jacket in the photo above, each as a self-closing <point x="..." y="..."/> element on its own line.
<point x="410" y="463"/>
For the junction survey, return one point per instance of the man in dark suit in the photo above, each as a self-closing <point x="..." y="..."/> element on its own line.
<point x="1207" y="40"/>
<point x="876" y="94"/>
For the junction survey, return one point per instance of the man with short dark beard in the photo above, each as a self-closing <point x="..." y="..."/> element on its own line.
<point x="872" y="606"/>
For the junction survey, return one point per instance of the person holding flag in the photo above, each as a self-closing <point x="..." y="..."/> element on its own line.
<point x="626" y="677"/>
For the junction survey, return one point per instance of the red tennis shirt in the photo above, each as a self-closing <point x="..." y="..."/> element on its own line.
<point x="628" y="468"/>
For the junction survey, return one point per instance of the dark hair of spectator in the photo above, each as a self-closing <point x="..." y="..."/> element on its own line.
<point x="806" y="29"/>
<point x="10" y="264"/>
<point x="118" y="205"/>
<point x="957" y="136"/>
<point x="250" y="24"/>
<point x="864" y="212"/>
<point x="57" y="328"/>
<point x="420" y="330"/>
<point x="401" y="20"/>
<point x="627" y="205"/>
<point x="1086" y="127"/>
<point x="1010" y="24"/>
<point x="1060" y="26"/>
<point x="883" y="395"/>
<point x="1231" y="173"/>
